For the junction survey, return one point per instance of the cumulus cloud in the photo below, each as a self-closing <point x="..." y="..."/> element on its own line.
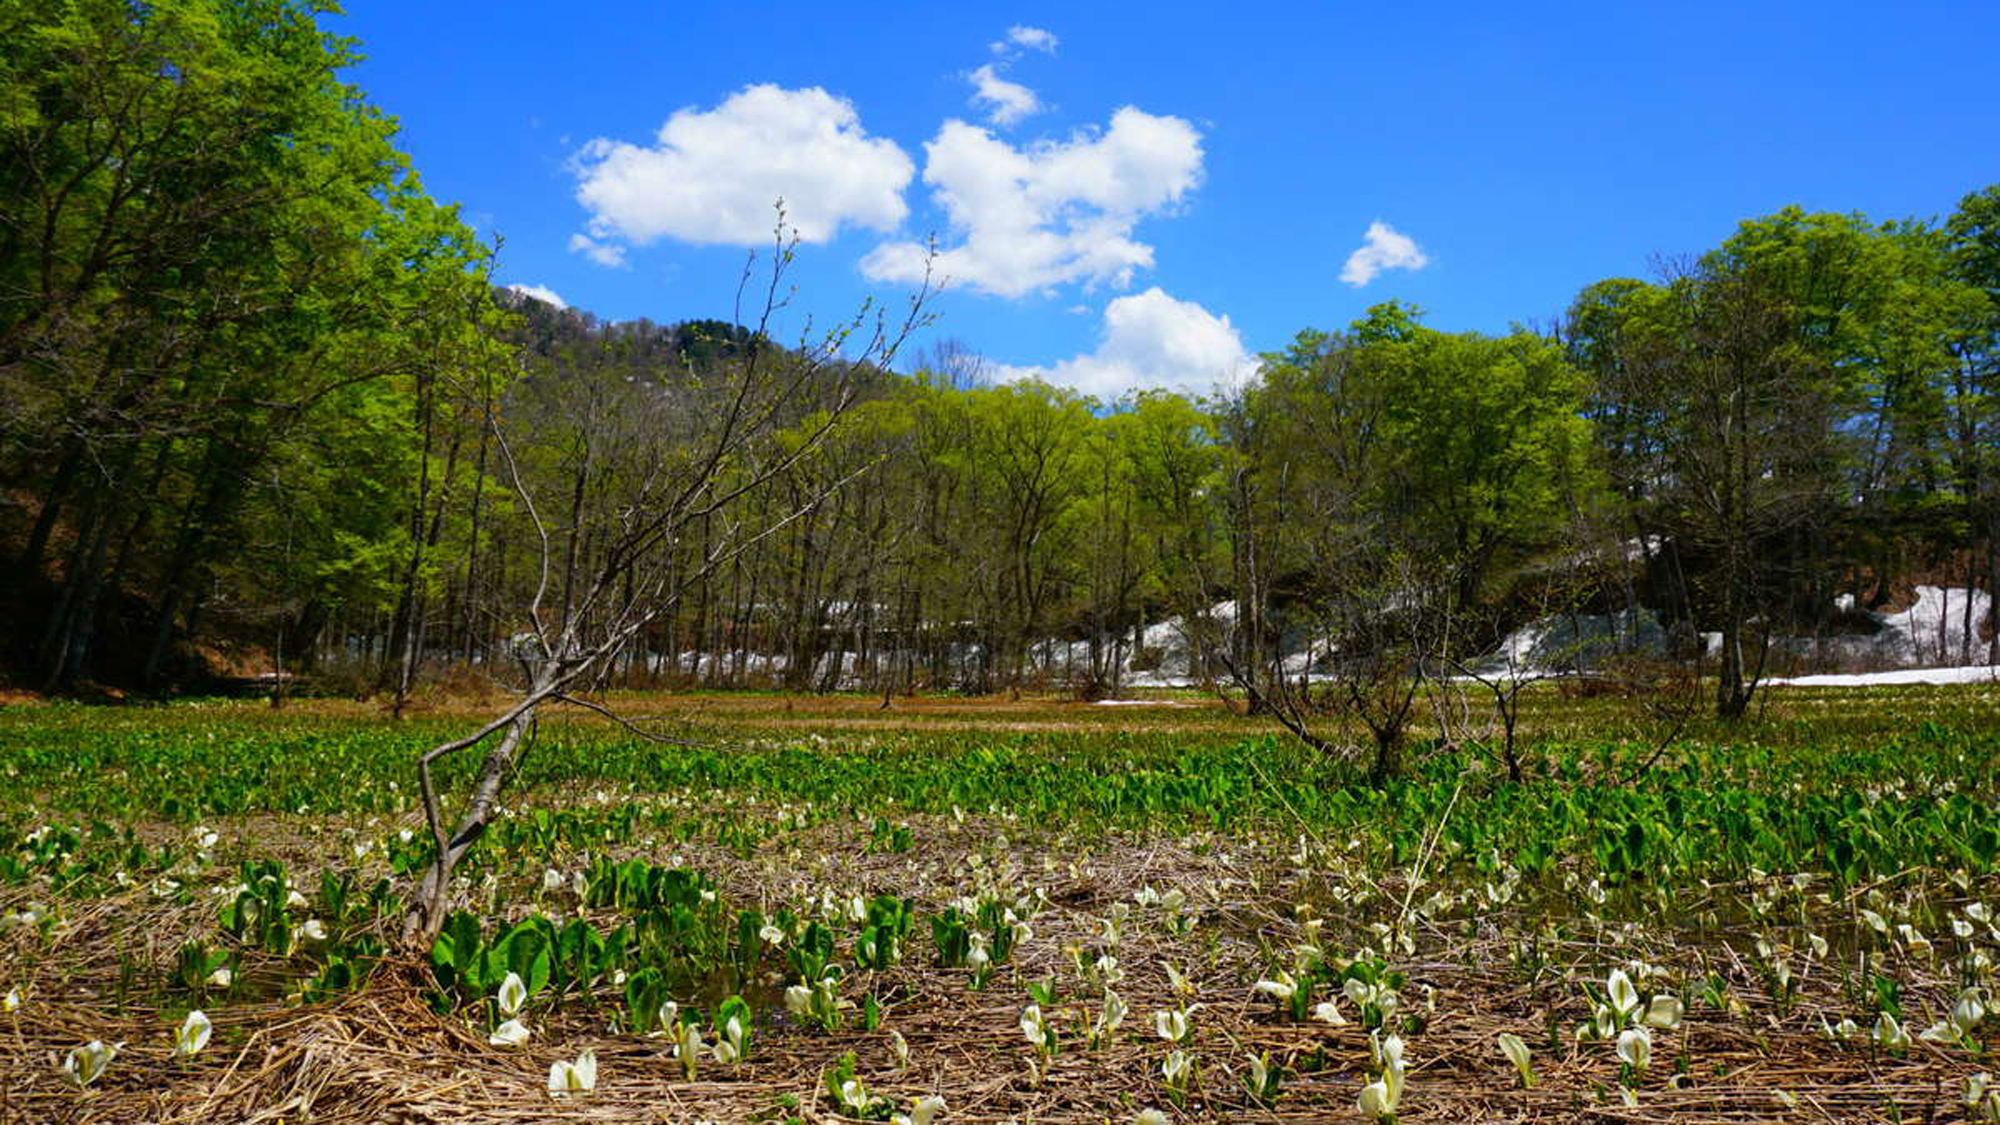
<point x="711" y="176"/>
<point x="540" y="293"/>
<point x="1025" y="38"/>
<point x="1151" y="340"/>
<point x="1050" y="213"/>
<point x="1008" y="102"/>
<point x="1384" y="248"/>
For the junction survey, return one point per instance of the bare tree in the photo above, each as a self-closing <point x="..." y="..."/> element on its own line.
<point x="677" y="511"/>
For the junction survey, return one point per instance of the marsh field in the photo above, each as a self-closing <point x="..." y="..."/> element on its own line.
<point x="814" y="909"/>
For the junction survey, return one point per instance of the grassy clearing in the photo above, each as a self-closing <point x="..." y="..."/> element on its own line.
<point x="921" y="876"/>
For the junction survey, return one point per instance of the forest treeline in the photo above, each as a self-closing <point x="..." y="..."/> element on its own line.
<point x="257" y="387"/>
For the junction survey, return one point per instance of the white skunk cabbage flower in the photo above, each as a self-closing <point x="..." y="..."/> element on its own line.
<point x="688" y="1046"/>
<point x="900" y="1047"/>
<point x="221" y="978"/>
<point x="1966" y="1014"/>
<point x="1635" y="1047"/>
<point x="1328" y="1012"/>
<point x="1516" y="1051"/>
<point x="1939" y="1032"/>
<point x="574" y="1079"/>
<point x="12" y="1001"/>
<point x="313" y="930"/>
<point x="1379" y="1099"/>
<point x="1034" y="1027"/>
<point x="1618" y="990"/>
<point x="513" y="1033"/>
<point x="1889" y="1033"/>
<point x="922" y="1112"/>
<point x="1280" y="987"/>
<point x="1152" y="1117"/>
<point x="513" y="994"/>
<point x="1176" y="1068"/>
<point x="798" y="999"/>
<point x="1171" y="1026"/>
<point x="192" y="1035"/>
<point x="1113" y="1013"/>
<point x="729" y="1045"/>
<point x="1664" y="1012"/>
<point x="86" y="1064"/>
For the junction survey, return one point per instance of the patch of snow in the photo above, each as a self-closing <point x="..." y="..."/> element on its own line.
<point x="1963" y="674"/>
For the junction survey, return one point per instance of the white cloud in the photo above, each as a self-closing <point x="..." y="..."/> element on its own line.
<point x="1010" y="101"/>
<point x="1385" y="249"/>
<point x="540" y="293"/>
<point x="712" y="176"/>
<point x="1151" y="340"/>
<point x="1030" y="38"/>
<point x="1053" y="212"/>
<point x="603" y="253"/>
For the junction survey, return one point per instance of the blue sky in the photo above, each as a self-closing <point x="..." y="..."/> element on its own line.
<point x="1148" y="194"/>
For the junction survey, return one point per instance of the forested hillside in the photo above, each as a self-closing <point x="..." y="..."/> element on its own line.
<point x="262" y="404"/>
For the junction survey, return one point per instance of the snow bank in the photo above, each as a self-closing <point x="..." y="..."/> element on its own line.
<point x="1963" y="674"/>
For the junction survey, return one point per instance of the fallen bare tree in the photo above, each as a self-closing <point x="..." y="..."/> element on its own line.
<point x="626" y="537"/>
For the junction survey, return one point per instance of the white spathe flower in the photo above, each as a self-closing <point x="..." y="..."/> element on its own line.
<point x="192" y="1035"/>
<point x="1033" y="1027"/>
<point x="729" y="1044"/>
<point x="296" y="901"/>
<point x="513" y="994"/>
<point x="1664" y="1012"/>
<point x="222" y="978"/>
<point x="1113" y="1013"/>
<point x="1635" y="1047"/>
<point x="1889" y="1032"/>
<point x="1176" y="1068"/>
<point x="798" y="999"/>
<point x="1377" y="1100"/>
<point x="922" y="1112"/>
<point x="1623" y="997"/>
<point x="313" y="930"/>
<point x="86" y="1064"/>
<point x="1328" y="1012"/>
<point x="1171" y="1026"/>
<point x="1152" y="1117"/>
<point x="900" y="1047"/>
<point x="12" y="1001"/>
<point x="513" y="1033"/>
<point x="574" y="1079"/>
<point x="1966" y="1014"/>
<point x="552" y="880"/>
<point x="1516" y="1051"/>
<point x="1280" y="987"/>
<point x="771" y="935"/>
